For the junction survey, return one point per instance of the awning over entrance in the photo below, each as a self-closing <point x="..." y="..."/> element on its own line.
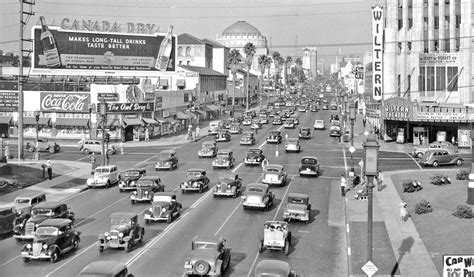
<point x="211" y="108"/>
<point x="73" y="122"/>
<point x="132" y="122"/>
<point x="150" y="121"/>
<point x="164" y="82"/>
<point x="111" y="122"/>
<point x="5" y="120"/>
<point x="161" y="120"/>
<point x="172" y="121"/>
<point x="44" y="121"/>
<point x="190" y="114"/>
<point x="181" y="116"/>
<point x="199" y="112"/>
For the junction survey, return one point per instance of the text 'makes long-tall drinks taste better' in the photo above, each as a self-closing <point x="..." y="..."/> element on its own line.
<point x="163" y="58"/>
<point x="48" y="44"/>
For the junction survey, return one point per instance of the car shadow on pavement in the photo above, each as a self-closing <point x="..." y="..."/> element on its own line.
<point x="235" y="259"/>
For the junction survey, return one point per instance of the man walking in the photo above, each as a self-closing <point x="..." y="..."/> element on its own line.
<point x="364" y="121"/>
<point x="121" y="147"/>
<point x="379" y="179"/>
<point x="49" y="169"/>
<point x="93" y="165"/>
<point x="343" y="185"/>
<point x="7" y="152"/>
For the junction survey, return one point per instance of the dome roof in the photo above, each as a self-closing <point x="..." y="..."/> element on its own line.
<point x="241" y="27"/>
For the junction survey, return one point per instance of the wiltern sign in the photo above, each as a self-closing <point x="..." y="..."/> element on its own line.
<point x="377" y="51"/>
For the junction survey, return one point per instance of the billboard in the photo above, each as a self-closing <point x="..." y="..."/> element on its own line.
<point x="65" y="102"/>
<point x="56" y="48"/>
<point x="8" y="101"/>
<point x="377" y="51"/>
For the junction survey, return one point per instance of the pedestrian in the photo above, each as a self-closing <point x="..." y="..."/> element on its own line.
<point x="198" y="131"/>
<point x="93" y="165"/>
<point x="453" y="141"/>
<point x="7" y="152"/>
<point x="264" y="164"/>
<point x="286" y="136"/>
<point x="49" y="168"/>
<point x="379" y="179"/>
<point x="147" y="134"/>
<point x="121" y="147"/>
<point x="403" y="211"/>
<point x="364" y="121"/>
<point x="343" y="185"/>
<point x="421" y="139"/>
<point x="107" y="157"/>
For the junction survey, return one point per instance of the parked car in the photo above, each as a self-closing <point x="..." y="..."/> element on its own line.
<point x="257" y="196"/>
<point x="256" y="124"/>
<point x="247" y="139"/>
<point x="89" y="146"/>
<point x="319" y="125"/>
<point x="146" y="188"/>
<point x="105" y="269"/>
<point x="274" y="268"/>
<point x="309" y="166"/>
<point x="164" y="208"/>
<point x="274" y="174"/>
<point x="129" y="178"/>
<point x="247" y="121"/>
<point x="196" y="180"/>
<point x="335" y="131"/>
<point x="44" y="145"/>
<point x="214" y="127"/>
<point x="235" y="128"/>
<point x="208" y="149"/>
<point x="296" y="119"/>
<point x="7" y="221"/>
<point x="39" y="213"/>
<point x="435" y="157"/>
<point x="251" y="113"/>
<point x="289" y="124"/>
<point x="305" y="133"/>
<point x="104" y="176"/>
<point x="228" y="185"/>
<point x="418" y="151"/>
<point x="24" y="203"/>
<point x="325" y="107"/>
<point x="333" y="117"/>
<point x="53" y="238"/>
<point x="209" y="257"/>
<point x="222" y="136"/>
<point x="276" y="236"/>
<point x="124" y="232"/>
<point x="292" y="145"/>
<point x="254" y="156"/>
<point x="167" y="160"/>
<point x="224" y="159"/>
<point x="297" y="208"/>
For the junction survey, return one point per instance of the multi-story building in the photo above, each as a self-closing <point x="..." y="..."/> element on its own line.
<point x="310" y="61"/>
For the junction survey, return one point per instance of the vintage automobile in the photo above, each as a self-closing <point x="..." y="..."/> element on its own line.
<point x="228" y="185"/>
<point x="257" y="196"/>
<point x="196" y="180"/>
<point x="296" y="119"/>
<point x="39" y="213"/>
<point x="292" y="145"/>
<point x="319" y="124"/>
<point x="335" y="131"/>
<point x="124" y="232"/>
<point x="24" y="203"/>
<point x="224" y="159"/>
<point x="325" y="107"/>
<point x="146" y="188"/>
<point x="7" y="221"/>
<point x="254" y="157"/>
<point x="274" y="268"/>
<point x="164" y="208"/>
<point x="222" y="136"/>
<point x="247" y="139"/>
<point x="435" y="157"/>
<point x="247" y="121"/>
<point x="167" y="160"/>
<point x="418" y="151"/>
<point x="263" y="119"/>
<point x="105" y="269"/>
<point x="43" y="146"/>
<point x="104" y="176"/>
<point x="305" y="133"/>
<point x="297" y="208"/>
<point x="333" y="117"/>
<point x="309" y="166"/>
<point x="54" y="237"/>
<point x="274" y="174"/>
<point x="129" y="178"/>
<point x="226" y="124"/>
<point x="313" y="108"/>
<point x="214" y="127"/>
<point x="235" y="128"/>
<point x="256" y="124"/>
<point x="208" y="149"/>
<point x="302" y="109"/>
<point x="89" y="146"/>
<point x="335" y="123"/>
<point x="277" y="120"/>
<point x="209" y="257"/>
<point x="274" y="137"/>
<point x="289" y="124"/>
<point x="251" y="113"/>
<point x="276" y="236"/>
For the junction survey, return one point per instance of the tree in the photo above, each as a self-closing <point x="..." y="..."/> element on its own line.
<point x="268" y="64"/>
<point x="288" y="62"/>
<point x="299" y="64"/>
<point x="249" y="50"/>
<point x="276" y="60"/>
<point x="233" y="61"/>
<point x="262" y="66"/>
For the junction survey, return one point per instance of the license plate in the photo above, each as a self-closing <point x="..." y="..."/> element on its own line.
<point x="188" y="266"/>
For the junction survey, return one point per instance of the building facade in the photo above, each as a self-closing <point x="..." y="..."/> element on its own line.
<point x="310" y="62"/>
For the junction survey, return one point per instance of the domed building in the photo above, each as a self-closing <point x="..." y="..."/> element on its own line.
<point x="240" y="33"/>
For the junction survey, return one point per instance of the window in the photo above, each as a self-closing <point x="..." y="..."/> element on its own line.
<point x="188" y="51"/>
<point x="452" y="78"/>
<point x="180" y="51"/>
<point x="458" y="20"/>
<point x="399" y="47"/>
<point x="421" y="81"/>
<point x="409" y="45"/>
<point x="400" y="24"/>
<point x="430" y="78"/>
<point x="399" y="81"/>
<point x="440" y="78"/>
<point x="410" y="23"/>
<point x="436" y="22"/>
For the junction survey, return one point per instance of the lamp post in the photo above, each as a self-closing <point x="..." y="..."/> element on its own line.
<point x="470" y="188"/>
<point x="352" y="117"/>
<point x="103" y="113"/>
<point x="37" y="117"/>
<point x="344" y="119"/>
<point x="371" y="148"/>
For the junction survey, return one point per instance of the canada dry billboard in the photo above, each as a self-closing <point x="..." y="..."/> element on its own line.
<point x="55" y="48"/>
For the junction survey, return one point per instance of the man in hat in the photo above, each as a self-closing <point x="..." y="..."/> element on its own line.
<point x="49" y="168"/>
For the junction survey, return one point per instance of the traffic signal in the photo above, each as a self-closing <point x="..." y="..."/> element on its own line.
<point x="107" y="137"/>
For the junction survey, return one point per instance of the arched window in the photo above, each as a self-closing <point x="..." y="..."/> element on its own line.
<point x="180" y="51"/>
<point x="188" y="51"/>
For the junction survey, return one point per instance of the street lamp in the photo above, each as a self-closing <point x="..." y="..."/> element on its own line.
<point x="37" y="117"/>
<point x="352" y="117"/>
<point x="470" y="188"/>
<point x="103" y="113"/>
<point x="371" y="148"/>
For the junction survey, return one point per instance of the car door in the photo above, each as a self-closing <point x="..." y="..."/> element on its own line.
<point x="62" y="239"/>
<point x="445" y="157"/>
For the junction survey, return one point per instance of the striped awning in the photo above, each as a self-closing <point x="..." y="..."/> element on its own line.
<point x="150" y="121"/>
<point x="180" y="83"/>
<point x="182" y="116"/>
<point x="73" y="122"/>
<point x="161" y="120"/>
<point x="190" y="114"/>
<point x="43" y="121"/>
<point x="6" y="120"/>
<point x="164" y="82"/>
<point x="132" y="122"/>
<point x="211" y="108"/>
<point x="199" y="112"/>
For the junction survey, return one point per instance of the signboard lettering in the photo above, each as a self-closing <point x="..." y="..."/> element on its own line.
<point x="130" y="107"/>
<point x="107" y="96"/>
<point x="64" y="102"/>
<point x="107" y="26"/>
<point x="458" y="265"/>
<point x="439" y="59"/>
<point x="8" y="101"/>
<point x="377" y="49"/>
<point x="441" y="116"/>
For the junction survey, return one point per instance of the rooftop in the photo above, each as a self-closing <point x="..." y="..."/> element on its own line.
<point x="241" y="28"/>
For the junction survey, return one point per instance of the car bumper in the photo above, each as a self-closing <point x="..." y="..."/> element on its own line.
<point x="221" y="140"/>
<point x="155" y="218"/>
<point x="299" y="217"/>
<point x="144" y="199"/>
<point x="234" y="132"/>
<point x="41" y="256"/>
<point x="318" y="128"/>
<point x="274" y="245"/>
<point x="251" y="162"/>
<point x="253" y="205"/>
<point x="206" y="154"/>
<point x="158" y="167"/>
<point x="190" y="188"/>
<point x="334" y="134"/>
<point x="309" y="173"/>
<point x="223" y="193"/>
<point x="276" y="182"/>
<point x="221" y="165"/>
<point x="23" y="237"/>
<point x="246" y="143"/>
<point x="292" y="149"/>
<point x="273" y="141"/>
<point x="125" y="187"/>
<point x="97" y="184"/>
<point x="112" y="244"/>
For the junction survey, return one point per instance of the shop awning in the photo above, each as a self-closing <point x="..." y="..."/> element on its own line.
<point x="150" y="121"/>
<point x="190" y="114"/>
<point x="73" y="122"/>
<point x="43" y="121"/>
<point x="132" y="122"/>
<point x="5" y="120"/>
<point x="161" y="120"/>
<point x="164" y="82"/>
<point x="173" y="121"/>
<point x="199" y="112"/>
<point x="211" y="108"/>
<point x="180" y="83"/>
<point x="181" y="115"/>
<point x="111" y="122"/>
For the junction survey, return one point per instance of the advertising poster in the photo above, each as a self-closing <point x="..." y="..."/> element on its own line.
<point x="8" y="101"/>
<point x="65" y="102"/>
<point x="458" y="265"/>
<point x="55" y="48"/>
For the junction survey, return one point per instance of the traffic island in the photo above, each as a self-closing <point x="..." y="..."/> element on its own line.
<point x="15" y="177"/>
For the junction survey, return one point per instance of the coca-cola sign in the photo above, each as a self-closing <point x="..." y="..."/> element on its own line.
<point x="65" y="102"/>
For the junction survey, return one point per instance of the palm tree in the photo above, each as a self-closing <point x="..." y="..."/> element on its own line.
<point x="268" y="64"/>
<point x="288" y="62"/>
<point x="249" y="50"/>
<point x="262" y="66"/>
<point x="298" y="63"/>
<point x="276" y="57"/>
<point x="233" y="62"/>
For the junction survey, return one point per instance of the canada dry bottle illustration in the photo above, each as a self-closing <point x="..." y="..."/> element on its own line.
<point x="164" y="53"/>
<point x="48" y="44"/>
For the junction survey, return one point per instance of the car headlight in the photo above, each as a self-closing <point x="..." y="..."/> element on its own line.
<point x="150" y="209"/>
<point x="28" y="246"/>
<point x="132" y="183"/>
<point x="163" y="210"/>
<point x="134" y="193"/>
<point x="218" y="185"/>
<point x="121" y="235"/>
<point x="106" y="234"/>
<point x="21" y="225"/>
<point x="36" y="225"/>
<point x="146" y="192"/>
<point x="45" y="246"/>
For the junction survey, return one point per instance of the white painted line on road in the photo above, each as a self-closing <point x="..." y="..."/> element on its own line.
<point x="9" y="261"/>
<point x="145" y="161"/>
<point x="345" y="159"/>
<point x="347" y="227"/>
<point x="70" y="260"/>
<point x="253" y="264"/>
<point x="83" y="158"/>
<point x="228" y="217"/>
<point x="349" y="251"/>
<point x="101" y="210"/>
<point x="303" y="231"/>
<point x="201" y="199"/>
<point x="414" y="160"/>
<point x="237" y="167"/>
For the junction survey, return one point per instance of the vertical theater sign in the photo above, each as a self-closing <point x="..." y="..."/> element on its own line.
<point x="377" y="51"/>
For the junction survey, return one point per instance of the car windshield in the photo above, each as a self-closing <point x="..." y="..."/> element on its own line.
<point x="22" y="201"/>
<point x="46" y="212"/>
<point x="102" y="170"/>
<point x="131" y="174"/>
<point x="120" y="221"/>
<point x="193" y="174"/>
<point x="47" y="231"/>
<point x="225" y="180"/>
<point x="207" y="145"/>
<point x="253" y="152"/>
<point x="164" y="156"/>
<point x="309" y="161"/>
<point x="253" y="189"/>
<point x="223" y="154"/>
<point x="145" y="183"/>
<point x="319" y="122"/>
<point x="292" y="141"/>
<point x="204" y="245"/>
<point x="272" y="170"/>
<point x="234" y="125"/>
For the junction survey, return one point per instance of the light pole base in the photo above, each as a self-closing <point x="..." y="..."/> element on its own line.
<point x="470" y="190"/>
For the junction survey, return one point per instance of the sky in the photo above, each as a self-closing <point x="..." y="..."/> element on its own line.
<point x="288" y="24"/>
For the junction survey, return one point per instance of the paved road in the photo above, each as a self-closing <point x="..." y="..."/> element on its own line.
<point x="316" y="246"/>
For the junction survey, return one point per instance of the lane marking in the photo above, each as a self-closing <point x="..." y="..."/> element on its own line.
<point x="237" y="167"/>
<point x="347" y="227"/>
<point x="414" y="160"/>
<point x="70" y="260"/>
<point x="349" y="251"/>
<point x="228" y="217"/>
<point x="345" y="159"/>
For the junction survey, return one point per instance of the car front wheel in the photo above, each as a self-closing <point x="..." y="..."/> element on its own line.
<point x="459" y="162"/>
<point x="435" y="163"/>
<point x="54" y="257"/>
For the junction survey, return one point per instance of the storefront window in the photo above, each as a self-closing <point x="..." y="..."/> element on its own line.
<point x="440" y="78"/>
<point x="452" y="78"/>
<point x="421" y="81"/>
<point x="430" y="78"/>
